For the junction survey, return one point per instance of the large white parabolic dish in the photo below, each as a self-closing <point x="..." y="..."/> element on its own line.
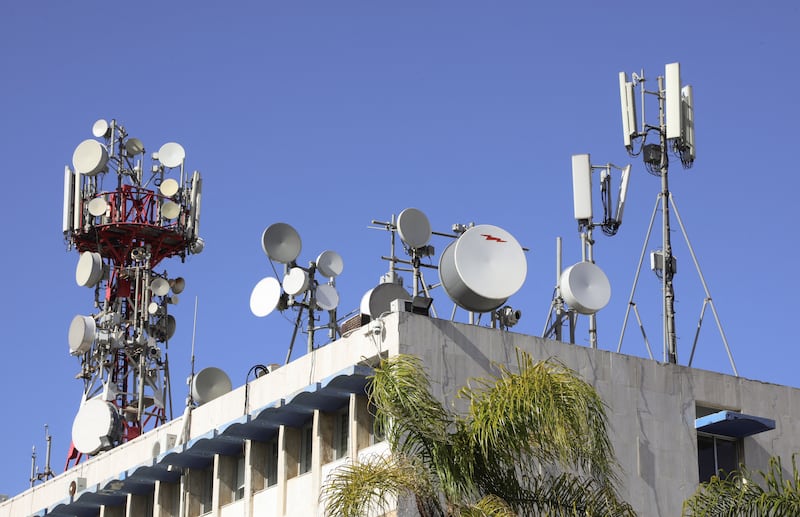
<point x="295" y="281"/>
<point x="265" y="296"/>
<point x="482" y="268"/>
<point x="378" y="300"/>
<point x="281" y="243"/>
<point x="90" y="157"/>
<point x="585" y="287"/>
<point x="95" y="427"/>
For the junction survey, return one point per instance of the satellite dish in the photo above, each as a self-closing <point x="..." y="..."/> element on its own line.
<point x="159" y="286"/>
<point x="414" y="228"/>
<point x="170" y="210"/>
<point x="171" y="154"/>
<point x="178" y="285"/>
<point x="281" y="243"/>
<point x="96" y="427"/>
<point x="295" y="281"/>
<point x="209" y="384"/>
<point x="134" y="146"/>
<point x="82" y="331"/>
<point x="377" y="300"/>
<point x="330" y="264"/>
<point x="98" y="206"/>
<point x="585" y="287"/>
<point x="265" y="296"/>
<point x="90" y="157"/>
<point x="169" y="187"/>
<point x="89" y="270"/>
<point x="327" y="297"/>
<point x="482" y="268"/>
<point x="101" y="129"/>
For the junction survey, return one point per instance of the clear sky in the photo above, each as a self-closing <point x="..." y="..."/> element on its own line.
<point x="328" y="115"/>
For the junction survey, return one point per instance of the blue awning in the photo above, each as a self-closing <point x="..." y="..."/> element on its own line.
<point x="733" y="424"/>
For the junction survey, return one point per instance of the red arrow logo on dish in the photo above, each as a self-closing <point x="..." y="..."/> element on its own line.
<point x="492" y="238"/>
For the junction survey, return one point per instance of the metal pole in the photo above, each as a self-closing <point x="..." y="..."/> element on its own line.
<point x="670" y="347"/>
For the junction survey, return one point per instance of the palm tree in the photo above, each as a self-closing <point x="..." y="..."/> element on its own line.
<point x="532" y="442"/>
<point x="748" y="493"/>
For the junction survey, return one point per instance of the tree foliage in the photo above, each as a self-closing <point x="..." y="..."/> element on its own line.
<point x="533" y="441"/>
<point x="745" y="493"/>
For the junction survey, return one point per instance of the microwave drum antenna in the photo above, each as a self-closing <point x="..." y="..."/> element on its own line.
<point x="414" y="228"/>
<point x="585" y="287"/>
<point x="281" y="243"/>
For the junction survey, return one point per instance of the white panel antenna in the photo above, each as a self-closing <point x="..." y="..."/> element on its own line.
<point x="628" y="104"/>
<point x="69" y="195"/>
<point x="582" y="186"/>
<point x="623" y="193"/>
<point x="672" y="93"/>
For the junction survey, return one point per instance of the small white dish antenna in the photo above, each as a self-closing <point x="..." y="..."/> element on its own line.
<point x="82" y="331"/>
<point x="90" y="157"/>
<point x="164" y="328"/>
<point x="171" y="154"/>
<point x="159" y="286"/>
<point x="170" y="210"/>
<point x="96" y="426"/>
<point x="414" y="228"/>
<point x="327" y="297"/>
<point x="378" y="300"/>
<point x="330" y="264"/>
<point x="281" y="243"/>
<point x="585" y="287"/>
<point x="482" y="268"/>
<point x="295" y="281"/>
<point x="169" y="187"/>
<point x="152" y="308"/>
<point x="178" y="285"/>
<point x="134" y="146"/>
<point x="98" y="206"/>
<point x="100" y="129"/>
<point x="265" y="296"/>
<point x="209" y="384"/>
<point x="89" y="270"/>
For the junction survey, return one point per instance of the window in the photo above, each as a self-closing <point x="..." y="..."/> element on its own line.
<point x="341" y="433"/>
<point x="238" y="487"/>
<point x="716" y="456"/>
<point x="207" y="490"/>
<point x="306" y="439"/>
<point x="272" y="463"/>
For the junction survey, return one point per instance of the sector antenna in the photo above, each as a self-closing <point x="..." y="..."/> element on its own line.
<point x="124" y="215"/>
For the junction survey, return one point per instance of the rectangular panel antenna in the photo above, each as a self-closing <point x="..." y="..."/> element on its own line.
<point x="76" y="212"/>
<point x="628" y="104"/>
<point x="582" y="186"/>
<point x="688" y="121"/>
<point x="672" y="93"/>
<point x="69" y="187"/>
<point x="623" y="193"/>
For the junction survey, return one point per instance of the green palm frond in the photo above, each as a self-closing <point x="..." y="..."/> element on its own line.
<point x="374" y="485"/>
<point x="544" y="412"/>
<point x="488" y="506"/>
<point x="746" y="493"/>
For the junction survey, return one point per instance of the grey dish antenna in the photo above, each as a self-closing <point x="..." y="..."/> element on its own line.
<point x="209" y="384"/>
<point x="281" y="243"/>
<point x="330" y="264"/>
<point x="585" y="287"/>
<point x="101" y="129"/>
<point x="378" y="300"/>
<point x="89" y="270"/>
<point x="327" y="297"/>
<point x="414" y="228"/>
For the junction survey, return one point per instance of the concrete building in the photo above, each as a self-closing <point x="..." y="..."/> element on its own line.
<point x="265" y="448"/>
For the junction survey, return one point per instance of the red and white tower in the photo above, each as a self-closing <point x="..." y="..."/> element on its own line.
<point x="125" y="212"/>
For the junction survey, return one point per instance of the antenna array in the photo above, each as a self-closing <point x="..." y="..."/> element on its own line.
<point x="124" y="217"/>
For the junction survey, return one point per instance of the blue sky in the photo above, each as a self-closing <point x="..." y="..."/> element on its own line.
<point x="328" y="115"/>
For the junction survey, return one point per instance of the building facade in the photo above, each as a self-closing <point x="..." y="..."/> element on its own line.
<point x="265" y="448"/>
